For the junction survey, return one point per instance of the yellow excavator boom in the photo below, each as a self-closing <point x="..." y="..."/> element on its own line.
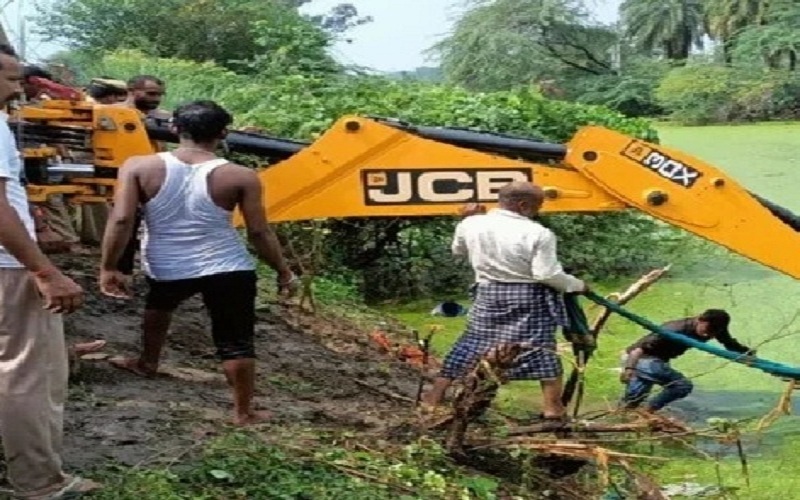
<point x="375" y="167"/>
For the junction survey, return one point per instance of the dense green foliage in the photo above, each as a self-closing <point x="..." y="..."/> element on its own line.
<point x="283" y="81"/>
<point x="637" y="66"/>
<point x="238" y="34"/>
<point x="399" y="256"/>
<point x="244" y="466"/>
<point x="701" y="93"/>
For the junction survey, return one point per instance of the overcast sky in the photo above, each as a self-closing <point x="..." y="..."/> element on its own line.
<point x="401" y="31"/>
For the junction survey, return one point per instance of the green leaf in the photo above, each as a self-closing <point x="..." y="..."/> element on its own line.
<point x="221" y="475"/>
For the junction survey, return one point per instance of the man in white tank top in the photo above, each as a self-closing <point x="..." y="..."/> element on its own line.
<point x="190" y="246"/>
<point x="33" y="357"/>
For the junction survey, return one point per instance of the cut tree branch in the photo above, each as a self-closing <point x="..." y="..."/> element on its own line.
<point x="575" y="380"/>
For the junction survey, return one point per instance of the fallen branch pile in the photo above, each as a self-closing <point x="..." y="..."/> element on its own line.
<point x="642" y="425"/>
<point x="584" y="346"/>
<point x="479" y="390"/>
<point x="481" y="385"/>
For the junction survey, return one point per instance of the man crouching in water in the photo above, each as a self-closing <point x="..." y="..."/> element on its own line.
<point x="646" y="362"/>
<point x="190" y="246"/>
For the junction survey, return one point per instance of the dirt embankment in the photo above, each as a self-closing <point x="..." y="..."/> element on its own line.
<point x="311" y="369"/>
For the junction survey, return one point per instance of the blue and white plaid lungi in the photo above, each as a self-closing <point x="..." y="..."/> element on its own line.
<point x="512" y="313"/>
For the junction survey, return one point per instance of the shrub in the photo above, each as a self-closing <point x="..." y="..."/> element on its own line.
<point x="631" y="93"/>
<point x="408" y="257"/>
<point x="700" y="94"/>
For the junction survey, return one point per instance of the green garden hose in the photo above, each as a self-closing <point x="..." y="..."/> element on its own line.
<point x="583" y="346"/>
<point x="770" y="367"/>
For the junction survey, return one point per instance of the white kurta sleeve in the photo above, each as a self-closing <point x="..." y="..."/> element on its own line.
<point x="546" y="268"/>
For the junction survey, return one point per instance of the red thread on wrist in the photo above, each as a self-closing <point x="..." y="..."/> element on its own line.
<point x="44" y="273"/>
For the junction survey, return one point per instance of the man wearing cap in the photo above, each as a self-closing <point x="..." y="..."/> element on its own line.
<point x="646" y="362"/>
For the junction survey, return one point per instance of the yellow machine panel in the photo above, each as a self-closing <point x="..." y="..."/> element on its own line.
<point x="75" y="148"/>
<point x="371" y="167"/>
<point x="687" y="192"/>
<point x="362" y="168"/>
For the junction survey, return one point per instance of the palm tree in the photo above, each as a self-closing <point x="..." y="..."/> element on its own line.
<point x="671" y="27"/>
<point x="726" y="18"/>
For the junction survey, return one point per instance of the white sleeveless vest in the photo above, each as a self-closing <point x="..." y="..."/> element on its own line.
<point x="185" y="234"/>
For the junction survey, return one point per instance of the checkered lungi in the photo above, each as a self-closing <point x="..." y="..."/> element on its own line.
<point x="511" y="313"/>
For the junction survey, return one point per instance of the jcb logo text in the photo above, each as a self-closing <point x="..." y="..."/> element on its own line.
<point x="425" y="187"/>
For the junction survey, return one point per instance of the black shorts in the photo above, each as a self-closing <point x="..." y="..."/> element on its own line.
<point x="230" y="299"/>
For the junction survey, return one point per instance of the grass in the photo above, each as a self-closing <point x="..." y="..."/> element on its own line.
<point x="244" y="465"/>
<point x="302" y="463"/>
<point x="763" y="158"/>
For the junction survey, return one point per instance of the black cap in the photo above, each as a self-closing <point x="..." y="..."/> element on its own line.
<point x="717" y="319"/>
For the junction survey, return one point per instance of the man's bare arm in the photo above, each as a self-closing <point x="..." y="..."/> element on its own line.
<point x="629" y="370"/>
<point x="15" y="238"/>
<point x="633" y="358"/>
<point x="119" y="228"/>
<point x="38" y="218"/>
<point x="259" y="232"/>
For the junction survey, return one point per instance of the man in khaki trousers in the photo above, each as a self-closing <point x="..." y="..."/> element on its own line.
<point x="33" y="358"/>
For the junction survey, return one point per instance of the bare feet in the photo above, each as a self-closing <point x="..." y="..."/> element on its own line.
<point x="70" y="486"/>
<point x="78" y="249"/>
<point x="431" y="398"/>
<point x="252" y="418"/>
<point x="79" y="485"/>
<point x="88" y="347"/>
<point x="134" y="366"/>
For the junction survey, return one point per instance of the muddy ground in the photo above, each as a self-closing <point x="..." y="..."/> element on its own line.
<point x="318" y="371"/>
<point x="309" y="371"/>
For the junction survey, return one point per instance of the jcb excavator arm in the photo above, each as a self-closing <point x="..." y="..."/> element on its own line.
<point x="364" y="167"/>
<point x="374" y="167"/>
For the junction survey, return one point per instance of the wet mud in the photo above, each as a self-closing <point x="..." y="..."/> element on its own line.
<point x="310" y="369"/>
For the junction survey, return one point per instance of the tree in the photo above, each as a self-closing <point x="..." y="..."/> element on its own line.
<point x="340" y="19"/>
<point x="666" y="27"/>
<point x="505" y="43"/>
<point x="230" y="32"/>
<point x="727" y="18"/>
<point x="775" y="40"/>
<point x="630" y="92"/>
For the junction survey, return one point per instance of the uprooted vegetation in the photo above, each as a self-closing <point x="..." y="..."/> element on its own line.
<point x="343" y="413"/>
<point x="344" y="425"/>
<point x="344" y="422"/>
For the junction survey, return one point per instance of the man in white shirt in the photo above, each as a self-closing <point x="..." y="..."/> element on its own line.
<point x="33" y="356"/>
<point x="518" y="298"/>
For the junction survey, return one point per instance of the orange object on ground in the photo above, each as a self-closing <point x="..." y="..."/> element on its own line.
<point x="408" y="353"/>
<point x="382" y="340"/>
